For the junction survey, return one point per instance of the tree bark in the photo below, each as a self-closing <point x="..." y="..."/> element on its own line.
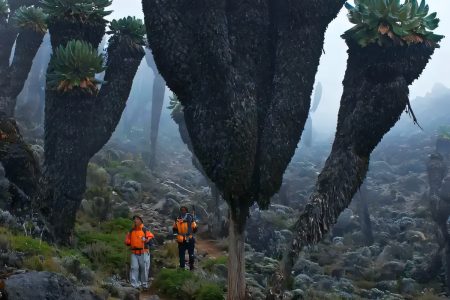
<point x="20" y="164"/>
<point x="247" y="100"/>
<point x="77" y="125"/>
<point x="364" y="215"/>
<point x="236" y="256"/>
<point x="375" y="94"/>
<point x="11" y="85"/>
<point x="439" y="196"/>
<point x="159" y="87"/>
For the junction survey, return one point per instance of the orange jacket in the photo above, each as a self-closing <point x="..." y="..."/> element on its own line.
<point x="134" y="239"/>
<point x="181" y="227"/>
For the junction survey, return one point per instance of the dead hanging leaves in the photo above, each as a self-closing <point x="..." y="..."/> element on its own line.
<point x="385" y="29"/>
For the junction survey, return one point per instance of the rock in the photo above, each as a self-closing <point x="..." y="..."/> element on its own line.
<point x="131" y="191"/>
<point x="44" y="286"/>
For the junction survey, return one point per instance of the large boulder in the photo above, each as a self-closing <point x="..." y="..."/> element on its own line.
<point x="44" y="286"/>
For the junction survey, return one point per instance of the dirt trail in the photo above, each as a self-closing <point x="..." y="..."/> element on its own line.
<point x="208" y="247"/>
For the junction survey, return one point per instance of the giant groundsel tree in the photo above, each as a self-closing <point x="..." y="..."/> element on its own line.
<point x="388" y="48"/>
<point x="235" y="67"/>
<point x="81" y="112"/>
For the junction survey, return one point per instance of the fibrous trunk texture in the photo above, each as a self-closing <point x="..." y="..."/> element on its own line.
<point x="21" y="168"/>
<point x="375" y="95"/>
<point x="77" y="125"/>
<point x="13" y="80"/>
<point x="159" y="87"/>
<point x="244" y="72"/>
<point x="236" y="256"/>
<point x="439" y="195"/>
<point x="362" y="209"/>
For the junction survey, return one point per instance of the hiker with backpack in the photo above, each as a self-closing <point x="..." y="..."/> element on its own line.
<point x="184" y="227"/>
<point x="138" y="239"/>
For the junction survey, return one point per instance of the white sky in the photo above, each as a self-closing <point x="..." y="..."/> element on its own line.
<point x="333" y="63"/>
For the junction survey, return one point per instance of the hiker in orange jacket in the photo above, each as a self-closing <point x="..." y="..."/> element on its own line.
<point x="185" y="227"/>
<point x="138" y="240"/>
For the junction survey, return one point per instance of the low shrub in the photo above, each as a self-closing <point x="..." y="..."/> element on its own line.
<point x="170" y="282"/>
<point x="209" y="291"/>
<point x="209" y="263"/>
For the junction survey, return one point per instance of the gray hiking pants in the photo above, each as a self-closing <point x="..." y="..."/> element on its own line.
<point x="140" y="265"/>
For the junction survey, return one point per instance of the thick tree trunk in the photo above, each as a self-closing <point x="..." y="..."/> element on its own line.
<point x="362" y="209"/>
<point x="20" y="164"/>
<point x="27" y="45"/>
<point x="439" y="195"/>
<point x="375" y="94"/>
<point x="77" y="125"/>
<point x="159" y="88"/>
<point x="236" y="257"/>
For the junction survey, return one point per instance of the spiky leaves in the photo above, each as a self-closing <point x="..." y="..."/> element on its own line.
<point x="30" y="18"/>
<point x="128" y="33"/>
<point x="387" y="21"/>
<point x="176" y="108"/>
<point x="84" y="11"/>
<point x="75" y="66"/>
<point x="4" y="10"/>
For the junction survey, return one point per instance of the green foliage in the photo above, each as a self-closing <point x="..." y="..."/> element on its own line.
<point x="31" y="18"/>
<point x="209" y="291"/>
<point x="84" y="11"/>
<point x="4" y="9"/>
<point x="75" y="66"/>
<point x="444" y="132"/>
<point x="171" y="281"/>
<point x="379" y="20"/>
<point x="208" y="264"/>
<point x="104" y="244"/>
<point x="41" y="263"/>
<point x="176" y="107"/>
<point x="184" y="285"/>
<point x="128" y="33"/>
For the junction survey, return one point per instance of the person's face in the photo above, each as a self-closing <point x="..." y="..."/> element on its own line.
<point x="183" y="211"/>
<point x="137" y="222"/>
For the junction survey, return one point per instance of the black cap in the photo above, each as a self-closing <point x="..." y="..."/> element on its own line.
<point x="139" y="217"/>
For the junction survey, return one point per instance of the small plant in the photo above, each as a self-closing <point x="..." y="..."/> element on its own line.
<point x="84" y="11"/>
<point x="176" y="107"/>
<point x="127" y="32"/>
<point x="31" y="18"/>
<point x="444" y="132"/>
<point x="407" y="22"/>
<point x="4" y="9"/>
<point x="5" y="243"/>
<point x="211" y="262"/>
<point x="170" y="282"/>
<point x="209" y="291"/>
<point x="75" y="66"/>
